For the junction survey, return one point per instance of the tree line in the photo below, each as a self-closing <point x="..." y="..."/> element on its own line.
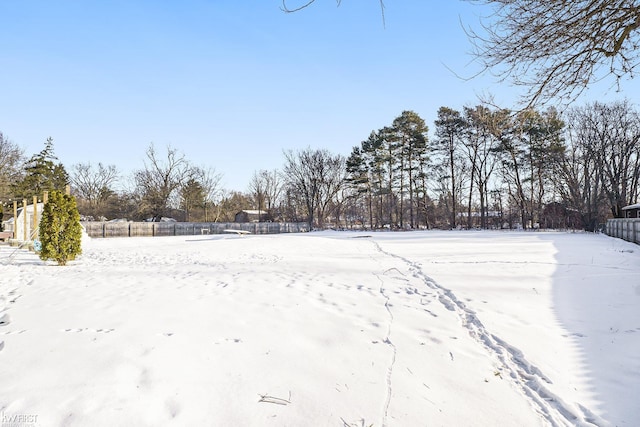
<point x="495" y="168"/>
<point x="484" y="167"/>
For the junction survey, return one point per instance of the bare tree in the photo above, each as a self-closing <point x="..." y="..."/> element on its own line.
<point x="273" y="188"/>
<point x="449" y="131"/>
<point x="484" y="126"/>
<point x="209" y="179"/>
<point x="556" y="48"/>
<point x="11" y="162"/>
<point x="158" y="183"/>
<point x="609" y="135"/>
<point x="257" y="189"/>
<point x="578" y="181"/>
<point x="93" y="186"/>
<point x="316" y="176"/>
<point x="266" y="188"/>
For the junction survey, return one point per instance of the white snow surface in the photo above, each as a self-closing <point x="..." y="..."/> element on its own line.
<point x="325" y="329"/>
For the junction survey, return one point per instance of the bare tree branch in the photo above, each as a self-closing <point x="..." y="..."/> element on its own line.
<point x="286" y="9"/>
<point x="557" y="48"/>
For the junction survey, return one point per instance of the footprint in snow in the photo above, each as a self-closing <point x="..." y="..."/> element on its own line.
<point x="4" y="319"/>
<point x="172" y="407"/>
<point x="233" y="340"/>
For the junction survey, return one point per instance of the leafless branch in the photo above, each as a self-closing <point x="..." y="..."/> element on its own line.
<point x="286" y="9"/>
<point x="557" y="48"/>
<point x="265" y="398"/>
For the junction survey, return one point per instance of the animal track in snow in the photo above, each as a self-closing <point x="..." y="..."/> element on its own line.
<point x="21" y="331"/>
<point x="388" y="342"/>
<point x="78" y="330"/>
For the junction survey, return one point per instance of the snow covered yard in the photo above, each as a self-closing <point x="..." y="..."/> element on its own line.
<point x="326" y="329"/>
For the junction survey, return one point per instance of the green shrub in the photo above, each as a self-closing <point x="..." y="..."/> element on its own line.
<point x="60" y="229"/>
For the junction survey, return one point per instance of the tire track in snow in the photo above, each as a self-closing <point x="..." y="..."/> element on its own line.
<point x="525" y="376"/>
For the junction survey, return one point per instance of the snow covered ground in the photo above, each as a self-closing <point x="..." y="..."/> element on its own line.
<point x="325" y="329"/>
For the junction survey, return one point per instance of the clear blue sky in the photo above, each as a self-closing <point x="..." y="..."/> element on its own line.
<point x="230" y="83"/>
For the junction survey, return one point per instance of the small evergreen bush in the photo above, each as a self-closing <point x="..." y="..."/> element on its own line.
<point x="60" y="229"/>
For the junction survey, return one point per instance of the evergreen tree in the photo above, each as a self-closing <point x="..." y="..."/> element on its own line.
<point x="192" y="196"/>
<point x="42" y="173"/>
<point x="410" y="140"/>
<point x="373" y="152"/>
<point x="60" y="229"/>
<point x="358" y="179"/>
<point x="229" y="205"/>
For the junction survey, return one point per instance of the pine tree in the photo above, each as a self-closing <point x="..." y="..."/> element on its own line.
<point x="192" y="196"/>
<point x="60" y="229"/>
<point x="41" y="174"/>
<point x="410" y="140"/>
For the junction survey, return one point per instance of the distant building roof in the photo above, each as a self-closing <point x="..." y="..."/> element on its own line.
<point x="636" y="206"/>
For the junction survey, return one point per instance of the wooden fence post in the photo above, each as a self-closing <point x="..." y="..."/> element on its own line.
<point x="35" y="212"/>
<point x="24" y="212"/>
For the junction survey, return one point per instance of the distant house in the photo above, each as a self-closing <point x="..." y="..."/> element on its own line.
<point x="632" y="211"/>
<point x="251" y="216"/>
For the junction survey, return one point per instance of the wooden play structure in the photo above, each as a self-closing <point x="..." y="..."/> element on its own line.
<point x="22" y="228"/>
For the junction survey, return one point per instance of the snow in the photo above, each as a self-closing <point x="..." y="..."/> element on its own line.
<point x="325" y="329"/>
<point x="636" y="206"/>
